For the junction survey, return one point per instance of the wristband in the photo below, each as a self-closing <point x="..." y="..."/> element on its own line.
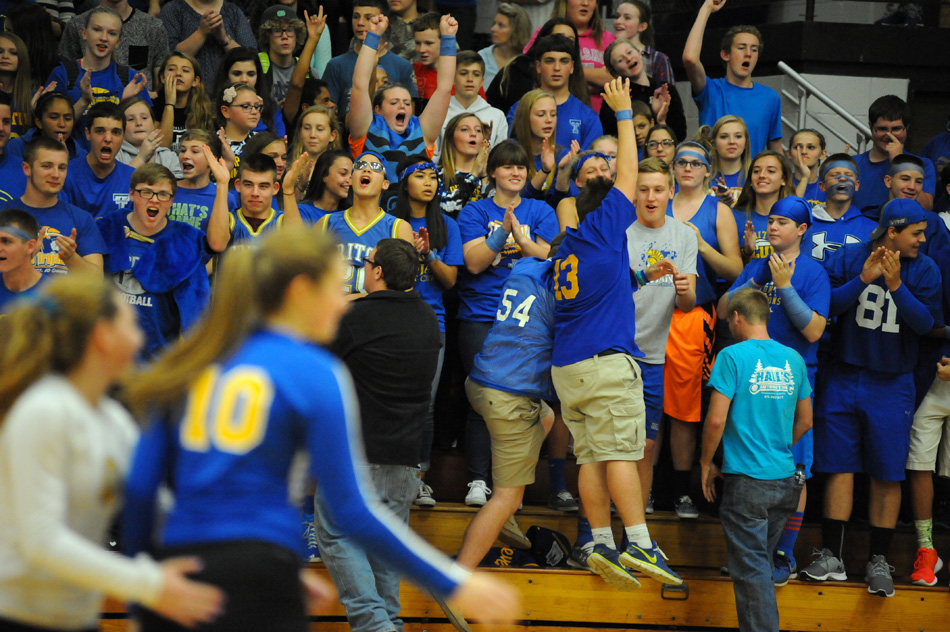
<point x="228" y="43"/>
<point x="169" y="105"/>
<point x="641" y="278"/>
<point x="546" y="172"/>
<point x="799" y="314"/>
<point x="497" y="239"/>
<point x="624" y="115"/>
<point x="447" y="45"/>
<point x="372" y="40"/>
<point x="433" y="256"/>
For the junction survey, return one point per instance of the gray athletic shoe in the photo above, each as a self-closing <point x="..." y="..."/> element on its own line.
<point x="563" y="501"/>
<point x="879" y="577"/>
<point x="579" y="555"/>
<point x="685" y="509"/>
<point x="824" y="566"/>
<point x="649" y="508"/>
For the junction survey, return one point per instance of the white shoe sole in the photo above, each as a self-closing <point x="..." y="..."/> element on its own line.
<point x="838" y="577"/>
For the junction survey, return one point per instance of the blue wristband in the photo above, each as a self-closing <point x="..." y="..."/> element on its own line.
<point x="749" y="284"/>
<point x="497" y="239"/>
<point x="432" y="256"/>
<point x="641" y="278"/>
<point x="372" y="40"/>
<point x="447" y="45"/>
<point x="624" y="115"/>
<point x="798" y="312"/>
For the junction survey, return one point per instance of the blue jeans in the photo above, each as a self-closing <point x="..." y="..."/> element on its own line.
<point x="472" y="336"/>
<point x="368" y="587"/>
<point x="753" y="514"/>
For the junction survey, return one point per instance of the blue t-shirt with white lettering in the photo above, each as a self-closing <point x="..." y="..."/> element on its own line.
<point x="759" y="106"/>
<point x="97" y="196"/>
<point x="61" y="219"/>
<point x="451" y="254"/>
<point x="193" y="206"/>
<point x="765" y="381"/>
<point x="593" y="293"/>
<point x="479" y="293"/>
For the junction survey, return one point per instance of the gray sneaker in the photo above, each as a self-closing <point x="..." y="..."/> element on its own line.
<point x="686" y="509"/>
<point x="579" y="555"/>
<point x="824" y="566"/>
<point x="563" y="501"/>
<point x="649" y="508"/>
<point x="879" y="577"/>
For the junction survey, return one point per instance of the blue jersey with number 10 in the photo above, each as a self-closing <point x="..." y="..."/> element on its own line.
<point x="230" y="453"/>
<point x="516" y="356"/>
<point x="356" y="243"/>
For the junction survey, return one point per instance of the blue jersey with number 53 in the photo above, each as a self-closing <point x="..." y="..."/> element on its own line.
<point x="871" y="332"/>
<point x="356" y="243"/>
<point x="516" y="356"/>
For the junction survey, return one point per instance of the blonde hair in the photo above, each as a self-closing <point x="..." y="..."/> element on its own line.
<point x="596" y="23"/>
<point x="521" y="126"/>
<point x="710" y="140"/>
<point x="447" y="161"/>
<point x="297" y="148"/>
<point x="250" y="286"/>
<point x="657" y="165"/>
<point x="50" y="331"/>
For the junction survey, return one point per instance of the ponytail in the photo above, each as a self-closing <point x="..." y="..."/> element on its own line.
<point x="251" y="285"/>
<point x="50" y="332"/>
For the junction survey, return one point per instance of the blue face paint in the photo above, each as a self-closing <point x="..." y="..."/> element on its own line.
<point x="843" y="186"/>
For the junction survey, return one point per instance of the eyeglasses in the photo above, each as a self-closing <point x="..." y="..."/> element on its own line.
<point x="148" y="194"/>
<point x="247" y="107"/>
<point x="897" y="129"/>
<point x="653" y="144"/>
<point x="378" y="167"/>
<point x="692" y="164"/>
<point x="283" y="31"/>
<point x="367" y="260"/>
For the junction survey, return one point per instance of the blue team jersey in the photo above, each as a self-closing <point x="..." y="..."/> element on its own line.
<point x="451" y="255"/>
<point x="193" y="206"/>
<point x="759" y="106"/>
<point x="516" y="356"/>
<point x="310" y="214"/>
<point x="827" y="234"/>
<point x="765" y="381"/>
<point x="760" y="223"/>
<point x="872" y="191"/>
<point x="704" y="219"/>
<point x="242" y="232"/>
<point x="479" y="293"/>
<point x="594" y="309"/>
<point x="106" y="85"/>
<point x="811" y="282"/>
<point x="870" y="331"/>
<point x="12" y="178"/>
<point x="230" y="453"/>
<point x="61" y="219"/>
<point x="356" y="243"/>
<point x="97" y="196"/>
<point x="575" y="121"/>
<point x="8" y="296"/>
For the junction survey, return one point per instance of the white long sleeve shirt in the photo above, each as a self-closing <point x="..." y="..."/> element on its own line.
<point x="62" y="465"/>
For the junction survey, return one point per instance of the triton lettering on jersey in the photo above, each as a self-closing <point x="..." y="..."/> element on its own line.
<point x="821" y="245"/>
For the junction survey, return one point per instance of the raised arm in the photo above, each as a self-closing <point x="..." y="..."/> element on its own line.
<point x="617" y="98"/>
<point x="315" y="26"/>
<point x="361" y="101"/>
<point x="291" y="210"/>
<point x="433" y="116"/>
<point x="219" y="228"/>
<point x="694" y="46"/>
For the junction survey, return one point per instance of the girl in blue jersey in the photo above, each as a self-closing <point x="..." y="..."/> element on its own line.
<point x="232" y="404"/>
<point x="496" y="232"/>
<point x="730" y="157"/>
<point x="330" y="182"/>
<point x="384" y="122"/>
<point x="66" y="445"/>
<point x="770" y="179"/>
<point x="439" y="244"/>
<point x="98" y="78"/>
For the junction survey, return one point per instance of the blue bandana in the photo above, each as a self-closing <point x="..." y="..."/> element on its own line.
<point x="580" y="163"/>
<point x="794" y="208"/>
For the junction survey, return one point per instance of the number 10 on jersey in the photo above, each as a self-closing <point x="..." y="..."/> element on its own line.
<point x="566" y="287"/>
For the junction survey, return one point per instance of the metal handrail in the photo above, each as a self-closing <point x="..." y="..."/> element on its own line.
<point x="808" y="89"/>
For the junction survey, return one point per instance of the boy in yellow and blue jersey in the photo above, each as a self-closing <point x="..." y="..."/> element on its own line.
<point x="256" y="184"/>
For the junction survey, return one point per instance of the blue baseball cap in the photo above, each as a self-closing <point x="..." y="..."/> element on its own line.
<point x="897" y="214"/>
<point x="794" y="208"/>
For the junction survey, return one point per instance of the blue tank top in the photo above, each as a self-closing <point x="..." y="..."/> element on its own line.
<point x="356" y="243"/>
<point x="704" y="219"/>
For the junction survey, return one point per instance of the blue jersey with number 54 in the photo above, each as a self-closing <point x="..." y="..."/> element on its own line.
<point x="516" y="356"/>
<point x="871" y="332"/>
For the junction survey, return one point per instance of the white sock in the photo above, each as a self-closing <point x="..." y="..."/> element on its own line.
<point x="604" y="535"/>
<point x="639" y="534"/>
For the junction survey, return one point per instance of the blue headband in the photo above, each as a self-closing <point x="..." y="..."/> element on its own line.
<point x="837" y="164"/>
<point x="899" y="167"/>
<point x="16" y="231"/>
<point x="580" y="162"/>
<point x="419" y="166"/>
<point x="694" y="154"/>
<point x="794" y="208"/>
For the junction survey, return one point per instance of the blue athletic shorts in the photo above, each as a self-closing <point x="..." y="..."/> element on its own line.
<point x="652" y="376"/>
<point x="862" y="422"/>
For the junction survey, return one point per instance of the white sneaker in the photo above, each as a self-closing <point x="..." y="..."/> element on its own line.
<point x="478" y="494"/>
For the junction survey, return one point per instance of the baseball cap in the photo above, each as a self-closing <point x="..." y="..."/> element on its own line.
<point x="794" y="208"/>
<point x="898" y="213"/>
<point x="278" y="12"/>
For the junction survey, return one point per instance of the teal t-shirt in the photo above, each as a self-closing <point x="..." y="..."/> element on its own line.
<point x="765" y="381"/>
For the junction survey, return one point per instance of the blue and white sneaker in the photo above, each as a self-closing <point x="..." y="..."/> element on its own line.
<point x="310" y="537"/>
<point x="784" y="568"/>
<point x="650" y="562"/>
<point x="605" y="561"/>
